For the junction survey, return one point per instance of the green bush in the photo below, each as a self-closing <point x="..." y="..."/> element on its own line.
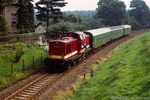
<point x="19" y="53"/>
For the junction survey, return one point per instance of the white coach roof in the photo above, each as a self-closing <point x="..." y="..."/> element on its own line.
<point x="99" y="31"/>
<point x="126" y="26"/>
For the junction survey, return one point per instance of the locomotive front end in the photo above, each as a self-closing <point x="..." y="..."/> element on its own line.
<point x="59" y="53"/>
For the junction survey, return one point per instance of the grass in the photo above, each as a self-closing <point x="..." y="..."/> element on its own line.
<point x="10" y="75"/>
<point x="125" y="75"/>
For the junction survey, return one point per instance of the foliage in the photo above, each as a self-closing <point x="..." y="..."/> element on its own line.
<point x="122" y="76"/>
<point x="67" y="27"/>
<point x="93" y="23"/>
<point x="8" y="57"/>
<point x="85" y="14"/>
<point x="103" y="2"/>
<point x="141" y="12"/>
<point x="61" y="27"/>
<point x="31" y="14"/>
<point x="74" y="22"/>
<point x="19" y="52"/>
<point x="47" y="10"/>
<point x="130" y="20"/>
<point x="25" y="15"/>
<point x="74" y="18"/>
<point x="111" y="13"/>
<point x="22" y="30"/>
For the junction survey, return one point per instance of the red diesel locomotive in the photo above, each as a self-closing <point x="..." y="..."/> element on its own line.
<point x="67" y="50"/>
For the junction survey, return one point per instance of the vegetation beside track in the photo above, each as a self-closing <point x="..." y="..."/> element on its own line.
<point x="11" y="62"/>
<point x="125" y="75"/>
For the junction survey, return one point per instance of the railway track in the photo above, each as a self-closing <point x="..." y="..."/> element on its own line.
<point x="33" y="89"/>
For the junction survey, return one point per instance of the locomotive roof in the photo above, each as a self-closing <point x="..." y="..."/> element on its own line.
<point x="99" y="31"/>
<point x="66" y="40"/>
<point x="78" y="32"/>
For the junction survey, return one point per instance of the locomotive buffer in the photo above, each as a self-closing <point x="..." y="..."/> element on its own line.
<point x="85" y="47"/>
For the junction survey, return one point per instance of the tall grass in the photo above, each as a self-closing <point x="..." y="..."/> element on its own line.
<point x="10" y="75"/>
<point x="126" y="75"/>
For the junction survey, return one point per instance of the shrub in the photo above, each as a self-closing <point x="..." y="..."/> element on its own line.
<point x="19" y="53"/>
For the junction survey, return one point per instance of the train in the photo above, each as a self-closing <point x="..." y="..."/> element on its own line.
<point x="70" y="47"/>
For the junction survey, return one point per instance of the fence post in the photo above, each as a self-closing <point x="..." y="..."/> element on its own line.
<point x="33" y="61"/>
<point x="12" y="68"/>
<point x="23" y="64"/>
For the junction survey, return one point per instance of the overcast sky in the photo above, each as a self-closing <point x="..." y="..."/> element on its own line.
<point x="88" y="4"/>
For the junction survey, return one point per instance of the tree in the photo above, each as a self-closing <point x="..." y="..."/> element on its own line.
<point x="93" y="23"/>
<point x="31" y="13"/>
<point x="130" y="20"/>
<point x="74" y="18"/>
<point x="111" y="13"/>
<point x="47" y="10"/>
<point x="25" y="15"/>
<point x="102" y="2"/>
<point x="61" y="27"/>
<point x="141" y="12"/>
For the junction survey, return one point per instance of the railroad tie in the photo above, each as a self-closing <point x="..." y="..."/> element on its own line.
<point x="31" y="91"/>
<point x="20" y="98"/>
<point x="28" y="93"/>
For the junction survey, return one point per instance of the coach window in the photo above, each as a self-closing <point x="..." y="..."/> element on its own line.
<point x="68" y="49"/>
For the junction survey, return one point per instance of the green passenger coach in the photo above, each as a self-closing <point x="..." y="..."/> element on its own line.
<point x="101" y="36"/>
<point x="117" y="31"/>
<point x="127" y="29"/>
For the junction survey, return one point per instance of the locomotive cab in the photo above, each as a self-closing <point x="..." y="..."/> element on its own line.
<point x="82" y="39"/>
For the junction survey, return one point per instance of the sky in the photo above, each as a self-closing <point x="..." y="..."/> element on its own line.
<point x="88" y="4"/>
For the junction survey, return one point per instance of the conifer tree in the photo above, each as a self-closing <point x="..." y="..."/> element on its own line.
<point x="25" y="15"/>
<point x="48" y="9"/>
<point x="31" y="13"/>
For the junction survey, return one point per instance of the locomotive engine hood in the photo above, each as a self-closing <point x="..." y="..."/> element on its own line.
<point x="59" y="48"/>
